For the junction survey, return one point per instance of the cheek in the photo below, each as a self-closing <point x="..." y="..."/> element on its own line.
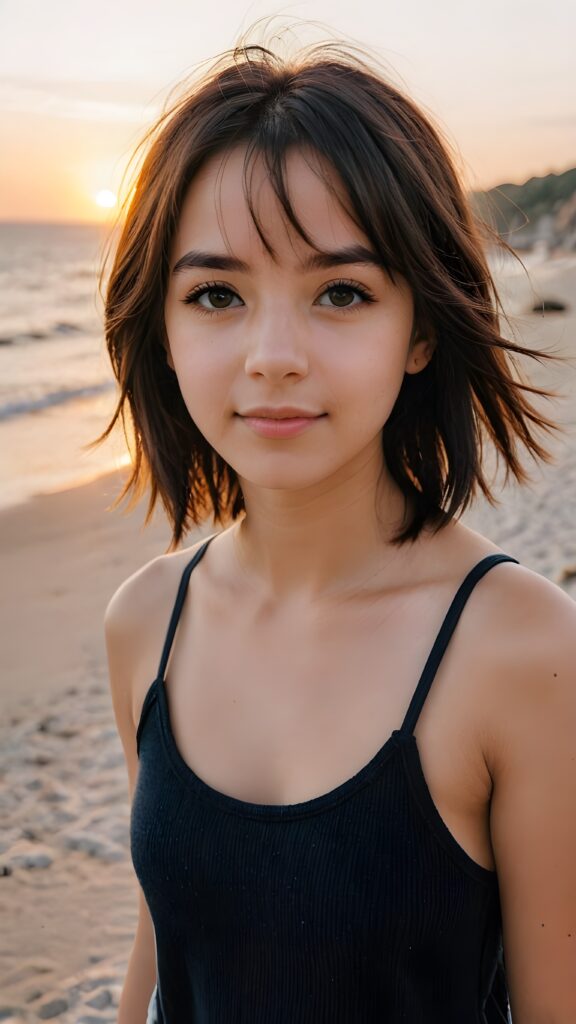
<point x="387" y="355"/>
<point x="205" y="381"/>
<point x="202" y="386"/>
<point x="368" y="376"/>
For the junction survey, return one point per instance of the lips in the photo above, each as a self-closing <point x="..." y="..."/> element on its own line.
<point x="280" y="427"/>
<point x="284" y="413"/>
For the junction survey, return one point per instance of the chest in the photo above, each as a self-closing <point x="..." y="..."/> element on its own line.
<point x="278" y="709"/>
<point x="342" y="889"/>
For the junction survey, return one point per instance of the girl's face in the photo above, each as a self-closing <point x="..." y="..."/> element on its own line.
<point x="245" y="330"/>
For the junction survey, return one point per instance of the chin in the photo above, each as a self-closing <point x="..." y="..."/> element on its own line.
<point x="281" y="476"/>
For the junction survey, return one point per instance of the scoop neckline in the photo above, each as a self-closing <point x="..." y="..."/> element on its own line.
<point x="286" y="812"/>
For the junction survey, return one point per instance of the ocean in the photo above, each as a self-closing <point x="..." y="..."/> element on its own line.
<point x="57" y="390"/>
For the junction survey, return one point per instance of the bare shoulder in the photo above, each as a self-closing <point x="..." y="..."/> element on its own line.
<point x="527" y="666"/>
<point x="524" y="646"/>
<point x="136" y="619"/>
<point x="139" y="594"/>
<point x="525" y="615"/>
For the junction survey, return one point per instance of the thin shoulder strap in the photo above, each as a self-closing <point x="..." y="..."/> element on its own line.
<point x="180" y="598"/>
<point x="442" y="640"/>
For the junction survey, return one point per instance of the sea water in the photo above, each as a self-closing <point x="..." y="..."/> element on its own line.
<point x="57" y="389"/>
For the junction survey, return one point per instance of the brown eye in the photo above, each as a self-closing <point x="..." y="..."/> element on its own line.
<point x="219" y="297"/>
<point x="341" y="296"/>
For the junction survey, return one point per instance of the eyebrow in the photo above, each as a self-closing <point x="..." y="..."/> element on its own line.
<point x="359" y="254"/>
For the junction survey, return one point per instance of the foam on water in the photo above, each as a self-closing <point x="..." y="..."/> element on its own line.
<point x="57" y="389"/>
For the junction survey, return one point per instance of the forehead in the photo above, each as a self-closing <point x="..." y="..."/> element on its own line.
<point x="215" y="213"/>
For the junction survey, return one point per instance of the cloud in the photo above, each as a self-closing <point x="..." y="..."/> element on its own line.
<point x="567" y="120"/>
<point x="83" y="101"/>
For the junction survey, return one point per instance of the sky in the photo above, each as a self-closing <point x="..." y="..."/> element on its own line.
<point x="81" y="82"/>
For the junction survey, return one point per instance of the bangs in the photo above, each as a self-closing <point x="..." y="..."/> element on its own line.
<point x="393" y="175"/>
<point x="278" y="133"/>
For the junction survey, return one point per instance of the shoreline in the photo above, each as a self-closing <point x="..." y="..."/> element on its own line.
<point x="43" y="449"/>
<point x="64" y="554"/>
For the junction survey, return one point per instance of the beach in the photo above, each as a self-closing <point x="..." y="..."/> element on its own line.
<point x="68" y="895"/>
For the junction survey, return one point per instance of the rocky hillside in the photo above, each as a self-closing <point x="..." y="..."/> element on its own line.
<point x="542" y="211"/>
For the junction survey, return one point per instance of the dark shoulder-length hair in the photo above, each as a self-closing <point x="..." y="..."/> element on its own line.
<point x="405" y="194"/>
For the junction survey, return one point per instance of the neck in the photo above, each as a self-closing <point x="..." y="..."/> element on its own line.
<point x="325" y="541"/>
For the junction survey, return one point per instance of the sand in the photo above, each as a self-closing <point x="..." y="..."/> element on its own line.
<point x="68" y="894"/>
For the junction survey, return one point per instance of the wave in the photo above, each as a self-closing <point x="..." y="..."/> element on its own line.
<point x="62" y="327"/>
<point x="14" y="339"/>
<point x="25" y="406"/>
<point x="66" y="328"/>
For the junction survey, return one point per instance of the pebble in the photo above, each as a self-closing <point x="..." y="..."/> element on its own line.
<point x="58" y="803"/>
<point x="54" y="1008"/>
<point x="94" y="846"/>
<point x="100" y="1000"/>
<point x="91" y="1019"/>
<point x="32" y="860"/>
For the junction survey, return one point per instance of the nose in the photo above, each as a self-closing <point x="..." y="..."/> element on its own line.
<point x="277" y="346"/>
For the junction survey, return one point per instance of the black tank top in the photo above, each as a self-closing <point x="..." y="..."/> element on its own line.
<point x="355" y="907"/>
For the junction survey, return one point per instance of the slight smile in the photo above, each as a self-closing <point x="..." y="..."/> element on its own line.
<point x="276" y="427"/>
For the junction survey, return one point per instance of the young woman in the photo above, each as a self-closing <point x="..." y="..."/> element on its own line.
<point x="349" y="720"/>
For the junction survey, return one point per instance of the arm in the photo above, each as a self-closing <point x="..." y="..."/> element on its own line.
<point x="533" y="813"/>
<point x="141" y="972"/>
<point x="120" y="623"/>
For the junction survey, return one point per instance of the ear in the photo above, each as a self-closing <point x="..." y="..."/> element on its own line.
<point x="420" y="354"/>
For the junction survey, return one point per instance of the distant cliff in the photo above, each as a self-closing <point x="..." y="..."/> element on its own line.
<point x="540" y="212"/>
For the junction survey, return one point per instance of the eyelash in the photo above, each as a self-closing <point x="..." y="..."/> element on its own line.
<point x="193" y="295"/>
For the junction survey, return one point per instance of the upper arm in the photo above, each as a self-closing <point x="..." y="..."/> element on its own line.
<point x="533" y="809"/>
<point x="124" y="626"/>
<point x="139" y="603"/>
<point x="124" y="622"/>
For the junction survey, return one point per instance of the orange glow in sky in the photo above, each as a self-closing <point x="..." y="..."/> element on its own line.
<point x="73" y="106"/>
